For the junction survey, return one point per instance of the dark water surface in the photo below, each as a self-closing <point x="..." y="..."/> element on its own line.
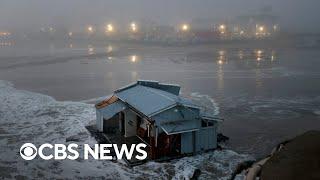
<point x="265" y="94"/>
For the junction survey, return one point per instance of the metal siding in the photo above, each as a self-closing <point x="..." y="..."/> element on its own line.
<point x="198" y="141"/>
<point x="206" y="139"/>
<point x="186" y="143"/>
<point x="99" y="121"/>
<point x="214" y="136"/>
<point x="130" y="123"/>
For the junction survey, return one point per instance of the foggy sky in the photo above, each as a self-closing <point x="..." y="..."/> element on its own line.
<point x="296" y="15"/>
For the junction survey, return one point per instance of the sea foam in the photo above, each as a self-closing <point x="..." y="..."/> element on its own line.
<point x="36" y="118"/>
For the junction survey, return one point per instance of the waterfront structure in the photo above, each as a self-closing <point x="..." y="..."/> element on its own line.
<point x="156" y="114"/>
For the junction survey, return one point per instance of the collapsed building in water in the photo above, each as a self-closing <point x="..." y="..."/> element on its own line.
<point x="155" y="114"/>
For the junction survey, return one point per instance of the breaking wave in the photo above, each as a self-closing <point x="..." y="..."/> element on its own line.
<point x="35" y="118"/>
<point x="207" y="102"/>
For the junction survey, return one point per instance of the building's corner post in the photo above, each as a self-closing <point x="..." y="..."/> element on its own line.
<point x="156" y="136"/>
<point x="194" y="143"/>
<point x="153" y="143"/>
<point x="99" y="122"/>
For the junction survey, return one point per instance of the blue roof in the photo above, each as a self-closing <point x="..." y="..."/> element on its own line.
<point x="151" y="101"/>
<point x="113" y="109"/>
<point x="152" y="98"/>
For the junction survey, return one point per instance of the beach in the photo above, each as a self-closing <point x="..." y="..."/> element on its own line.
<point x="264" y="94"/>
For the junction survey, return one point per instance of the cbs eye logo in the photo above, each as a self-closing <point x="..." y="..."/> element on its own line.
<point x="28" y="151"/>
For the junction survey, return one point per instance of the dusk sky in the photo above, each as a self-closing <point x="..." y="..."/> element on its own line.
<point x="296" y="15"/>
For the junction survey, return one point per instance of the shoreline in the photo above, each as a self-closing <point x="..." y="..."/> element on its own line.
<point x="293" y="159"/>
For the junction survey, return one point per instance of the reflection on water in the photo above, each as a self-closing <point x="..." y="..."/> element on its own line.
<point x="222" y="58"/>
<point x="220" y="73"/>
<point x="259" y="83"/>
<point x="109" y="49"/>
<point x="230" y="74"/>
<point x="6" y="44"/>
<point x="91" y="50"/>
<point x="259" y="55"/>
<point x="240" y="54"/>
<point x="134" y="76"/>
<point x="242" y="58"/>
<point x="251" y="57"/>
<point x="273" y="55"/>
<point x="133" y="58"/>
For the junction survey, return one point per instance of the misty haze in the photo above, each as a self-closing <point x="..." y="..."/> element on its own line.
<point x="254" y="63"/>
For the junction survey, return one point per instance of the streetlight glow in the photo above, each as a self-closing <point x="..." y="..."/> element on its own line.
<point x="261" y="28"/>
<point x="222" y="27"/>
<point x="133" y="58"/>
<point x="185" y="27"/>
<point x="90" y="29"/>
<point x="109" y="28"/>
<point x="133" y="27"/>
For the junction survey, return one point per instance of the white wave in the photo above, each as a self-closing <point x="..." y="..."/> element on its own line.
<point x="96" y="100"/>
<point x="207" y="102"/>
<point x="36" y="118"/>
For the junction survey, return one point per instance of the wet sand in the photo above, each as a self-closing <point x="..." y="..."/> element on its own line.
<point x="298" y="159"/>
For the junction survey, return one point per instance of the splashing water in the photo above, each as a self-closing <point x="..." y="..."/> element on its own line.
<point x="36" y="118"/>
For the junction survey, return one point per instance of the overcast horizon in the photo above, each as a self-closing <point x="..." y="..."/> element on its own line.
<point x="294" y="15"/>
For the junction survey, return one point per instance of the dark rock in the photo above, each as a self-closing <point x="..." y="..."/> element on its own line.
<point x="196" y="174"/>
<point x="222" y="138"/>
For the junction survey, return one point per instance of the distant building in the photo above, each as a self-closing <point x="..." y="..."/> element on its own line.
<point x="257" y="25"/>
<point x="155" y="114"/>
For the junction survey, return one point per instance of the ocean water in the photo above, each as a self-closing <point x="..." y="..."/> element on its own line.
<point x="265" y="94"/>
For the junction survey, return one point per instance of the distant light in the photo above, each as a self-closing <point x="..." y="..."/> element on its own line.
<point x="241" y="32"/>
<point x="220" y="62"/>
<point x="275" y="27"/>
<point x="133" y="58"/>
<point x="222" y="28"/>
<point x="259" y="55"/>
<point x="261" y="28"/>
<point x="222" y="53"/>
<point x="109" y="28"/>
<point x="185" y="27"/>
<point x="70" y="33"/>
<point x="5" y="33"/>
<point x="259" y="52"/>
<point x="241" y="54"/>
<point x="90" y="29"/>
<point x="273" y="56"/>
<point x="133" y="27"/>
